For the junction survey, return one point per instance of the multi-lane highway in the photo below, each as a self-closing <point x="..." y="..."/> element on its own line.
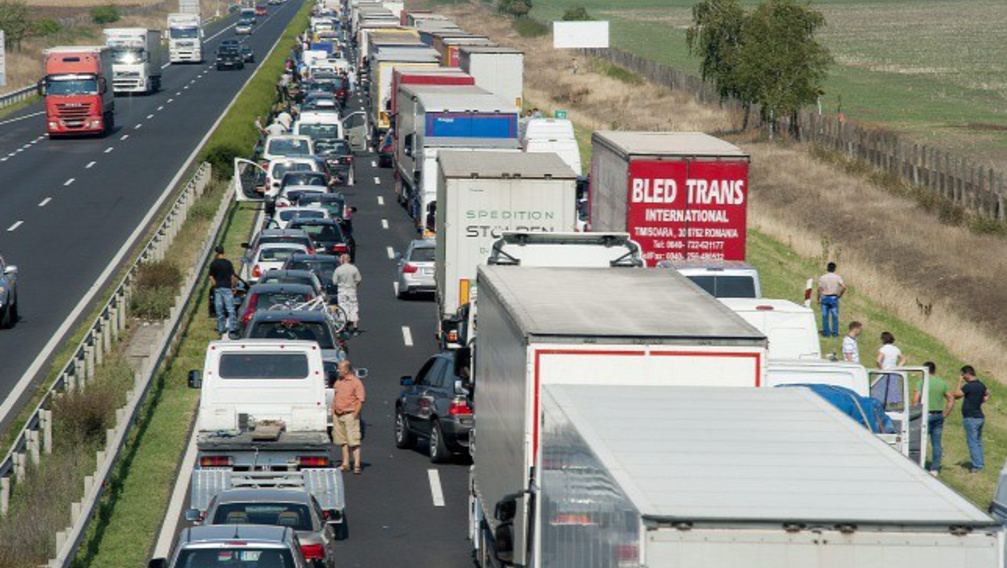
<point x="70" y="208"/>
<point x="402" y="508"/>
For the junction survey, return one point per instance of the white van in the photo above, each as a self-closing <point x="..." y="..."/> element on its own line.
<point x="791" y="328"/>
<point x="319" y="125"/>
<point x="551" y="135"/>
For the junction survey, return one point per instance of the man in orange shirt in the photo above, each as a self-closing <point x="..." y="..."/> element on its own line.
<point x="346" y="406"/>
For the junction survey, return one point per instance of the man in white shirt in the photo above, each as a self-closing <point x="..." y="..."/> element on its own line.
<point x="851" y="351"/>
<point x="831" y="287"/>
<point x="346" y="278"/>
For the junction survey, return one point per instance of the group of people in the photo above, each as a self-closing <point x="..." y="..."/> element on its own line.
<point x="940" y="397"/>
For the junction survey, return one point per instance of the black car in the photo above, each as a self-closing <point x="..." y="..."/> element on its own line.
<point x="327" y="235"/>
<point x="339" y="157"/>
<point x="386" y="151"/>
<point x="305" y="277"/>
<point x="436" y="405"/>
<point x="299" y="325"/>
<point x="229" y="57"/>
<point x="323" y="265"/>
<point x="247" y="55"/>
<point x="267" y="296"/>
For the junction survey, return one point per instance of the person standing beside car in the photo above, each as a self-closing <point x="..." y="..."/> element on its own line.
<point x="346" y="406"/>
<point x="940" y="401"/>
<point x="975" y="394"/>
<point x="224" y="281"/>
<point x="346" y="278"/>
<point x="831" y="287"/>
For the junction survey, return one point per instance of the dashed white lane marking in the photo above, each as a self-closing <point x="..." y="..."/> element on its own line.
<point x="12" y="154"/>
<point x="69" y="181"/>
<point x="44" y="202"/>
<point x="4" y="159"/>
<point x="391" y="252"/>
<point x="407" y="336"/>
<point x="90" y="165"/>
<point x="14" y="227"/>
<point x="374" y="163"/>
<point x="178" y="94"/>
<point x="19" y="150"/>
<point x="109" y="149"/>
<point x="435" y="487"/>
<point x="381" y="200"/>
<point x="171" y="101"/>
<point x="384" y="223"/>
<point x="150" y="116"/>
<point x="137" y="127"/>
<point x="377" y="180"/>
<point x="185" y="87"/>
<point x="26" y="146"/>
<point x="160" y="107"/>
<point x="40" y="138"/>
<point x="124" y="136"/>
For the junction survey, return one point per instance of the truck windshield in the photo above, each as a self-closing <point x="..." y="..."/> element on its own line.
<point x="293" y="515"/>
<point x="263" y="366"/>
<point x="184" y="33"/>
<point x="245" y="557"/>
<point x="293" y="330"/>
<point x="76" y="85"/>
<point x="128" y="55"/>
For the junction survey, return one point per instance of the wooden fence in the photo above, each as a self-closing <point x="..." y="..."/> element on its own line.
<point x="956" y="178"/>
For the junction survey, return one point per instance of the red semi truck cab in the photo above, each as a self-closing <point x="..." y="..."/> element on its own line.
<point x="78" y="90"/>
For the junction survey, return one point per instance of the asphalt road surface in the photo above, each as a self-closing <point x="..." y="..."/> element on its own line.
<point x="68" y="207"/>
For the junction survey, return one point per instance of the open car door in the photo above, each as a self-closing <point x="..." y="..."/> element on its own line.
<point x="897" y="389"/>
<point x="249" y="180"/>
<point x="355" y="127"/>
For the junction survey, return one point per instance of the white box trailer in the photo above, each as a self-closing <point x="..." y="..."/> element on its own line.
<point x="481" y="194"/>
<point x="136" y="59"/>
<point x="689" y="477"/>
<point x="587" y="326"/>
<point x="496" y="68"/>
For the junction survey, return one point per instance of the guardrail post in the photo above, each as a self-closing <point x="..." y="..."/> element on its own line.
<point x="98" y="341"/>
<point x="113" y="320"/>
<point x="88" y="364"/>
<point x="19" y="467"/>
<point x="46" y="417"/>
<point x="33" y="446"/>
<point x="4" y="495"/>
<point x="123" y="305"/>
<point x="108" y="330"/>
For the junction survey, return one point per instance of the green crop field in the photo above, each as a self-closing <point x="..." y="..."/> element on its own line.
<point x="934" y="69"/>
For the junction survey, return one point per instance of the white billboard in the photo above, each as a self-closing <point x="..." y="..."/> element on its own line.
<point x="574" y="35"/>
<point x="188" y="6"/>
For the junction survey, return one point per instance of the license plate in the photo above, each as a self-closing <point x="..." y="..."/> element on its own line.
<point x="426" y="271"/>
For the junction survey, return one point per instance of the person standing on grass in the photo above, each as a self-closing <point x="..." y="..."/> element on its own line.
<point x="940" y="401"/>
<point x="346" y="407"/>
<point x="888" y="389"/>
<point x="851" y="351"/>
<point x="346" y="278"/>
<point x="831" y="287"/>
<point x="224" y="281"/>
<point x="975" y="394"/>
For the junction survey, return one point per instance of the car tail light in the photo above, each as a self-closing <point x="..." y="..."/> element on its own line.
<point x="311" y="250"/>
<point x="460" y="408"/>
<point x="280" y="204"/>
<point x="313" y="461"/>
<point x="340" y="247"/>
<point x="215" y="461"/>
<point x="409" y="268"/>
<point x="347" y="160"/>
<point x="253" y="302"/>
<point x="313" y="552"/>
<point x="453" y="336"/>
<point x="256" y="272"/>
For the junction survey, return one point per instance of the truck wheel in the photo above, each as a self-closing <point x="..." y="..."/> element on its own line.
<point x="403" y="437"/>
<point x="439" y="452"/>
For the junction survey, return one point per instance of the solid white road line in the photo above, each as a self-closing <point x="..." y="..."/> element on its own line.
<point x="109" y="149"/>
<point x="14" y="227"/>
<point x="89" y="165"/>
<point x="391" y="252"/>
<point x="384" y="223"/>
<point x="45" y="202"/>
<point x="69" y="181"/>
<point x="8" y="121"/>
<point x="435" y="487"/>
<point x="124" y="136"/>
<point x="407" y="336"/>
<point x="381" y="200"/>
<point x="377" y="180"/>
<point x="7" y="406"/>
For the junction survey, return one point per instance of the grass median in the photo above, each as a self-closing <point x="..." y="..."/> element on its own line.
<point x="134" y="506"/>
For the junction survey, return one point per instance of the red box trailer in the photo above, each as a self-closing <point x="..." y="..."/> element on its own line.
<point x="439" y="76"/>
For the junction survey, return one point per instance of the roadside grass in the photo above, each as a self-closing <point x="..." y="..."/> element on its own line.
<point x="133" y="508"/>
<point x="18" y="106"/>
<point x="526" y="27"/>
<point x="615" y="72"/>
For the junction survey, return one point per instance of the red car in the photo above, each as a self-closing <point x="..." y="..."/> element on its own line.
<point x="260" y="9"/>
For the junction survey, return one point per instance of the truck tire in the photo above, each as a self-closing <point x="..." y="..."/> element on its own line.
<point x="439" y="452"/>
<point x="403" y="437"/>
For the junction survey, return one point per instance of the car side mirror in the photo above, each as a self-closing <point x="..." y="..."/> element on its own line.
<point x="11" y="269"/>
<point x="362" y="373"/>
<point x="353" y="209"/>
<point x="158" y="563"/>
<point x="506" y="508"/>
<point x="462" y="386"/>
<point x="407" y="381"/>
<point x="40" y="87"/>
<point x="193" y="515"/>
<point x="195" y="380"/>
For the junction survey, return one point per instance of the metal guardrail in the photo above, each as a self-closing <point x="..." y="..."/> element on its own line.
<point x="18" y="95"/>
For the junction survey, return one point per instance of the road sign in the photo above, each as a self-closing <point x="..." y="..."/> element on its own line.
<point x="559" y="114"/>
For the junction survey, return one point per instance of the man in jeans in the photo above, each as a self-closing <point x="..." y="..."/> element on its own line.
<point x="224" y="281"/>
<point x="974" y="393"/>
<point x="830" y="288"/>
<point x="939" y="404"/>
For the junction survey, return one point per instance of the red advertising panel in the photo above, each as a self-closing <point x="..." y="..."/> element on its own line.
<point x="683" y="210"/>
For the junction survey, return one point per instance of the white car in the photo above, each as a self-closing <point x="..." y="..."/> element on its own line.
<point x="270" y="256"/>
<point x="277" y="168"/>
<point x="284" y="216"/>
<point x="285" y="199"/>
<point x="287" y="146"/>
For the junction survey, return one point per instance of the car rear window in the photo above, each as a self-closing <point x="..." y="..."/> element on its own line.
<point x="319" y="130"/>
<point x="293" y="330"/>
<point x="263" y="366"/>
<point x="322" y="232"/>
<point x="282" y="169"/>
<point x="288" y="147"/>
<point x="726" y="286"/>
<point x="277" y="254"/>
<point x="267" y="300"/>
<point x="324" y="270"/>
<point x="425" y="254"/>
<point x="286" y="239"/>
<point x="301" y="214"/>
<point x="243" y="557"/>
<point x="293" y="515"/>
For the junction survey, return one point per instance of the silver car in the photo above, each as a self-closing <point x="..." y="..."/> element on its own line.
<point x="230" y="546"/>
<point x="8" y="295"/>
<point x="416" y="269"/>
<point x="293" y="508"/>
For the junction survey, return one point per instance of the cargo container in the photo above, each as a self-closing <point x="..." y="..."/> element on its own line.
<point x="498" y="69"/>
<point x="587" y="326"/>
<point x="431" y="118"/>
<point x="385" y="36"/>
<point x="551" y="135"/>
<point x="680" y="195"/>
<point x="438" y="76"/>
<point x="78" y="90"/>
<point x="136" y="59"/>
<point x="482" y="194"/>
<point x="382" y="67"/>
<point x="448" y="46"/>
<point x="668" y="477"/>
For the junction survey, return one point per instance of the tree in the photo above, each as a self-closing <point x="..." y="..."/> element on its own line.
<point x="780" y="61"/>
<point x="517" y="8"/>
<point x="576" y="14"/>
<point x="715" y="36"/>
<point x="14" y="22"/>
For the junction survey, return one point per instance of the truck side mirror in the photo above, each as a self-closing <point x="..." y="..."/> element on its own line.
<point x="506" y="508"/>
<point x="40" y="87"/>
<point x="195" y="380"/>
<point x="158" y="563"/>
<point x="193" y="515"/>
<point x="407" y="381"/>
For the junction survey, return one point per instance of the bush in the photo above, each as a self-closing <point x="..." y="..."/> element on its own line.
<point x="530" y="28"/>
<point x="517" y="8"/>
<point x="576" y="14"/>
<point x="44" y="27"/>
<point x="160" y="274"/>
<point x="221" y="157"/>
<point x="106" y="14"/>
<point x="152" y="304"/>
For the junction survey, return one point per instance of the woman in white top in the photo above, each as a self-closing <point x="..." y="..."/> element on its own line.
<point x="889" y="356"/>
<point x="888" y="389"/>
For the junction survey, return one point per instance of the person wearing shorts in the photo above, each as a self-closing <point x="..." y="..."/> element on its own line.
<point x="346" y="406"/>
<point x="346" y="278"/>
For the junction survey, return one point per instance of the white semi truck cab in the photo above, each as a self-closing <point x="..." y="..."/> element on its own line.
<point x="136" y="59"/>
<point x="185" y="38"/>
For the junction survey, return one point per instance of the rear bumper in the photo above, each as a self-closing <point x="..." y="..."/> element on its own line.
<point x="456" y="433"/>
